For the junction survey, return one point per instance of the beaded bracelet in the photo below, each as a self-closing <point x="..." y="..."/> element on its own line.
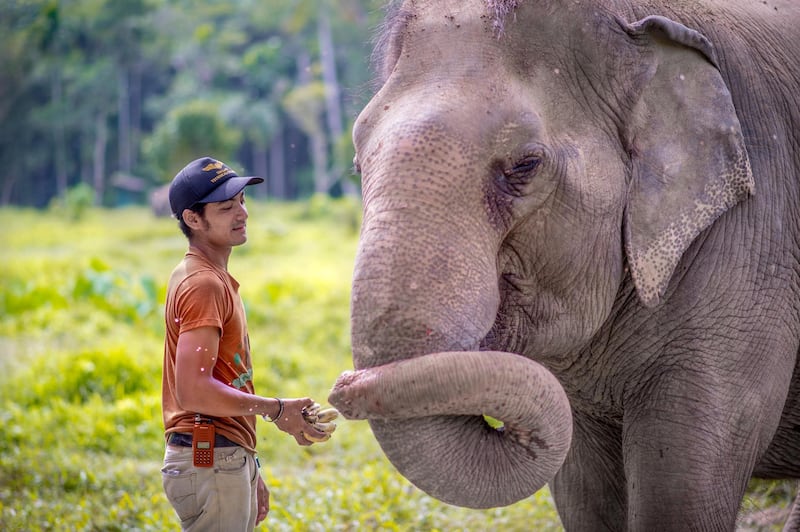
<point x="280" y="412"/>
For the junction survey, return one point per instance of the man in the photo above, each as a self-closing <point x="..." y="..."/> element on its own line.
<point x="209" y="405"/>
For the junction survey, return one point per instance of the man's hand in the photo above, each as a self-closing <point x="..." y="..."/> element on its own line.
<point x="322" y="420"/>
<point x="293" y="422"/>
<point x="262" y="498"/>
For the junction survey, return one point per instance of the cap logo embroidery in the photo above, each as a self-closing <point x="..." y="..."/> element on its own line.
<point x="222" y="173"/>
<point x="222" y="170"/>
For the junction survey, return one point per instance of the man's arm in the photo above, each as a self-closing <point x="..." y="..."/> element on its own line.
<point x="197" y="390"/>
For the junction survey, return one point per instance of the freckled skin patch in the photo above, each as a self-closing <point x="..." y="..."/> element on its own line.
<point x="652" y="267"/>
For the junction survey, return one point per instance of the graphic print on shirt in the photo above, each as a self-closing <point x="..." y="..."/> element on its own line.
<point x="241" y="381"/>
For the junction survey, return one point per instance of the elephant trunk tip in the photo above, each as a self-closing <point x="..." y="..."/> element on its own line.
<point x="347" y="395"/>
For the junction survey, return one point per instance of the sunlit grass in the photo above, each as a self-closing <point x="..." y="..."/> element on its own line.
<point x="81" y="339"/>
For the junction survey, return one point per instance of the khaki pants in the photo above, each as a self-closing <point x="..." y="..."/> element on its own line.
<point x="220" y="498"/>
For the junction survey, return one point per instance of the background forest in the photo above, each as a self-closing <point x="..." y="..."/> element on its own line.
<point x="118" y="95"/>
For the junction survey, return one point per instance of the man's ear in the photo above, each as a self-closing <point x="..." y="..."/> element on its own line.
<point x="192" y="219"/>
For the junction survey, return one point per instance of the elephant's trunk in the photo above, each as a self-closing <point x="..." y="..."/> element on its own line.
<point x="426" y="293"/>
<point x="426" y="413"/>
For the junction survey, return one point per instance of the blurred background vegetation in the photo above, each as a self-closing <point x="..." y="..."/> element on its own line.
<point x="119" y="95"/>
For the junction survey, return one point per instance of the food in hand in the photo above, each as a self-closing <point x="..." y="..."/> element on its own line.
<point x="314" y="439"/>
<point x="321" y="420"/>
<point x="327" y="415"/>
<point x="314" y="414"/>
<point x="310" y="412"/>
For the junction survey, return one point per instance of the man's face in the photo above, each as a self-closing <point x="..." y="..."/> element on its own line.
<point x="224" y="223"/>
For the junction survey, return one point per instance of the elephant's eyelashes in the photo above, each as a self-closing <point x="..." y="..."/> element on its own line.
<point x="526" y="166"/>
<point x="515" y="178"/>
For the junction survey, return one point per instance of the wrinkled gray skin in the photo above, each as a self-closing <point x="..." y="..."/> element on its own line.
<point x="583" y="219"/>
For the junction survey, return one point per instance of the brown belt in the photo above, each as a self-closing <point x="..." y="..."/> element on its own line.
<point x="185" y="440"/>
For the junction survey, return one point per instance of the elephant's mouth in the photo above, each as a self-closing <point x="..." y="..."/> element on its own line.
<point x="499" y="338"/>
<point x="511" y="321"/>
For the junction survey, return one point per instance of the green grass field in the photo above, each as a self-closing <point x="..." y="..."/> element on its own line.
<point x="81" y="339"/>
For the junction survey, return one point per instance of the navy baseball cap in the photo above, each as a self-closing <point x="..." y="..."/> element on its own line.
<point x="205" y="180"/>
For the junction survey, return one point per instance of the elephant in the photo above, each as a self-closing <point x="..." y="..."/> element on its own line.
<point x="582" y="218"/>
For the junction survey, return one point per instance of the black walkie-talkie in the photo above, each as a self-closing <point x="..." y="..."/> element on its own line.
<point x="203" y="442"/>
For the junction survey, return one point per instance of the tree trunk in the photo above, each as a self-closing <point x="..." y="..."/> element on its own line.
<point x="316" y="136"/>
<point x="319" y="160"/>
<point x="333" y="108"/>
<point x="259" y="156"/>
<point x="59" y="135"/>
<point x="135" y="112"/>
<point x="99" y="158"/>
<point x="124" y="122"/>
<point x="8" y="188"/>
<point x="333" y="105"/>
<point x="276" y="177"/>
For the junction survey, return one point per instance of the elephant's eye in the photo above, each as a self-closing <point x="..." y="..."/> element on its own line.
<point x="518" y="176"/>
<point x="356" y="165"/>
<point x="526" y="166"/>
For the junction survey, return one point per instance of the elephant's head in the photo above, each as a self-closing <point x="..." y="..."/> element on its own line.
<point x="519" y="159"/>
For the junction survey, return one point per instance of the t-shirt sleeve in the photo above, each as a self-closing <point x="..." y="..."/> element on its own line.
<point x="202" y="302"/>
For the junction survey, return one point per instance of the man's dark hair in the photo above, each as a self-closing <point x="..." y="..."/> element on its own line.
<point x="199" y="208"/>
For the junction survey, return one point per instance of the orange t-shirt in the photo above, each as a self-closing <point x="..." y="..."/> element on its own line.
<point x="199" y="294"/>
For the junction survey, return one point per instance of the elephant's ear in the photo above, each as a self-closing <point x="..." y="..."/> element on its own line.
<point x="688" y="158"/>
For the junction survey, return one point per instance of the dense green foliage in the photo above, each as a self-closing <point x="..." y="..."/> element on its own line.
<point x="121" y="94"/>
<point x="81" y="336"/>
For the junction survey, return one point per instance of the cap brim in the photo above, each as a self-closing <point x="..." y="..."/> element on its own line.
<point x="230" y="188"/>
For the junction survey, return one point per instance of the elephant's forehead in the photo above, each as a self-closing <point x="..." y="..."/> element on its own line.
<point x="460" y="44"/>
<point x="495" y="11"/>
<point x="451" y="116"/>
<point x="447" y="10"/>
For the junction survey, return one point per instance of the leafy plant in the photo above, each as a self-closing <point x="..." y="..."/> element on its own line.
<point x="75" y="202"/>
<point x="188" y="131"/>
